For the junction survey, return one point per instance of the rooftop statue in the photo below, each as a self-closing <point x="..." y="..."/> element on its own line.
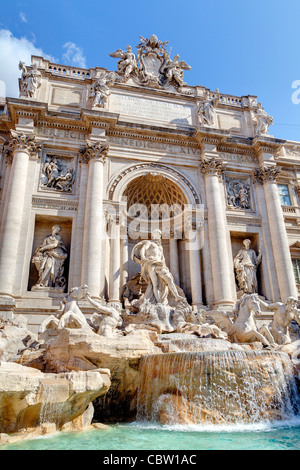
<point x="263" y="121"/>
<point x="127" y="65"/>
<point x="100" y="89"/>
<point x="206" y="110"/>
<point x="30" y="80"/>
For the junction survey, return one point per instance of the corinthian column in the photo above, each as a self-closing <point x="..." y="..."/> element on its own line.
<point x="20" y="146"/>
<point x="217" y="231"/>
<point x="96" y="154"/>
<point x="267" y="175"/>
<point x="115" y="261"/>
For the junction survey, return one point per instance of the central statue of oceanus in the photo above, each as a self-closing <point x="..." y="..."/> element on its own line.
<point x="149" y="254"/>
<point x="155" y="301"/>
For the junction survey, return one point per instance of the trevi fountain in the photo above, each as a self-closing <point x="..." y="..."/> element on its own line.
<point x="149" y="262"/>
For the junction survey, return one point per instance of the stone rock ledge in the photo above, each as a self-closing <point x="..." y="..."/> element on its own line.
<point x="30" y="398"/>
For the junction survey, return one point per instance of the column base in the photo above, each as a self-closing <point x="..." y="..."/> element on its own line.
<point x="227" y="305"/>
<point x="7" y="307"/>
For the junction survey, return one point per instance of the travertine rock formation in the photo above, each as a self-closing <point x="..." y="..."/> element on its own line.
<point x="30" y="398"/>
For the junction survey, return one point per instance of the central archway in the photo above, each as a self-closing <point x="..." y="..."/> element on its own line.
<point x="150" y="187"/>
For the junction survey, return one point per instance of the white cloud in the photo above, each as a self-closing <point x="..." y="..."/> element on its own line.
<point x="22" y="17"/>
<point x="74" y="55"/>
<point x="12" y="50"/>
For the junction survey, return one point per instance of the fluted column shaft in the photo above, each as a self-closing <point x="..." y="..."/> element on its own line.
<point x="115" y="262"/>
<point x="124" y="258"/>
<point x="193" y="247"/>
<point x="174" y="260"/>
<point x="96" y="154"/>
<point x="221" y="274"/>
<point x="282" y="257"/>
<point x="20" y="146"/>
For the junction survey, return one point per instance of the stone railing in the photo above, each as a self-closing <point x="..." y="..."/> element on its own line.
<point x="291" y="212"/>
<point x="65" y="71"/>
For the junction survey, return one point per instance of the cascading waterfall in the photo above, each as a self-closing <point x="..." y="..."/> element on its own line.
<point x="50" y="406"/>
<point x="220" y="387"/>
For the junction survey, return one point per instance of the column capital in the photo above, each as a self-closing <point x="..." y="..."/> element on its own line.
<point x="212" y="166"/>
<point x="19" y="141"/>
<point x="266" y="174"/>
<point x="94" y="151"/>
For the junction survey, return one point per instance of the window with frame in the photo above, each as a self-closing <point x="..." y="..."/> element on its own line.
<point x="296" y="266"/>
<point x="284" y="194"/>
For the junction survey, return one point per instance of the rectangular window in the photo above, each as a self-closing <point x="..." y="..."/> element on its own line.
<point x="284" y="195"/>
<point x="296" y="266"/>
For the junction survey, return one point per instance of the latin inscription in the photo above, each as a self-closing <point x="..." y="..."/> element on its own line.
<point x="61" y="133"/>
<point x="160" y="146"/>
<point x="150" y="109"/>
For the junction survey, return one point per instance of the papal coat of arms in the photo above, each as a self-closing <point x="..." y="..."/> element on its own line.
<point x="152" y="66"/>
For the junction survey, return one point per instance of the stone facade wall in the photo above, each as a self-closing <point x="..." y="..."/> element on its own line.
<point x="230" y="167"/>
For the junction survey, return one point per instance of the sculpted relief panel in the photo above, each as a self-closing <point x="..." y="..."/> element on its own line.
<point x="238" y="193"/>
<point x="58" y="174"/>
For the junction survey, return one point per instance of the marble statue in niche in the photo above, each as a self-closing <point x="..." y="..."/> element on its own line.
<point x="238" y="194"/>
<point x="30" y="80"/>
<point x="100" y="90"/>
<point x="246" y="263"/>
<point x="149" y="254"/>
<point x="158" y="295"/>
<point x="49" y="259"/>
<point x="57" y="175"/>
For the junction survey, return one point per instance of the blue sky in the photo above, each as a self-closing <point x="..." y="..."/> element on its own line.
<point x="241" y="48"/>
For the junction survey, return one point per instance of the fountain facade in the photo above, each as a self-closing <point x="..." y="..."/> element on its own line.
<point x="176" y="277"/>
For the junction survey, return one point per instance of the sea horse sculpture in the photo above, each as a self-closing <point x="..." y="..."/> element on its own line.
<point x="243" y="328"/>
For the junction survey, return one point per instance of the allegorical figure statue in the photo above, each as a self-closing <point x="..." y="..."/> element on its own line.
<point x="284" y="314"/>
<point x="149" y="254"/>
<point x="49" y="260"/>
<point x="245" y="264"/>
<point x="107" y="319"/>
<point x="263" y="121"/>
<point x="127" y="64"/>
<point x="100" y="90"/>
<point x="30" y="80"/>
